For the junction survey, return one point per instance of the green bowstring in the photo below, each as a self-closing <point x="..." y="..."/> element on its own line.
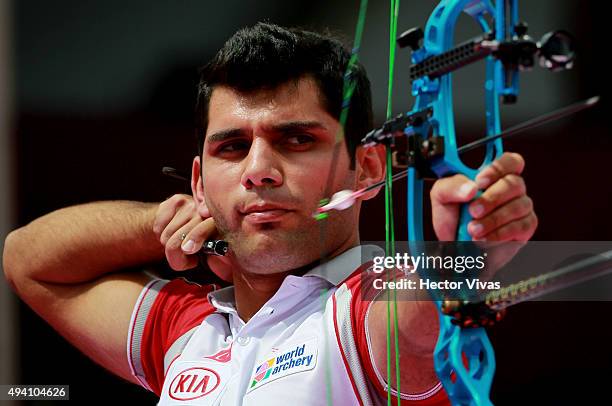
<point x="389" y="222"/>
<point x="348" y="89"/>
<point x="347" y="94"/>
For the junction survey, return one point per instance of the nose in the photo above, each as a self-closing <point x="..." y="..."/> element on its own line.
<point x="261" y="166"/>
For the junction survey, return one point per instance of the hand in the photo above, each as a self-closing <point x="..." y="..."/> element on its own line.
<point x="178" y="216"/>
<point x="503" y="212"/>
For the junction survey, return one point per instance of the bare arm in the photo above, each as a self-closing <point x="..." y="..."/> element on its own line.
<point x="418" y="332"/>
<point x="63" y="265"/>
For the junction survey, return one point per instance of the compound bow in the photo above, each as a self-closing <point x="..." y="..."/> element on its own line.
<point x="464" y="358"/>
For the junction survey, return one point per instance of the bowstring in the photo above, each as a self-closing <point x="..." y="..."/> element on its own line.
<point x="348" y="89"/>
<point x="389" y="222"/>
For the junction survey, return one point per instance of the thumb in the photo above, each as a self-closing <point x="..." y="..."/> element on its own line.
<point x="446" y="195"/>
<point x="454" y="189"/>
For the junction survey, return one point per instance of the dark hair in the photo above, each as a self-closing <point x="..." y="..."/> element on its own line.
<point x="267" y="55"/>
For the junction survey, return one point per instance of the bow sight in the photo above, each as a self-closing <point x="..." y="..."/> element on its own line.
<point x="555" y="52"/>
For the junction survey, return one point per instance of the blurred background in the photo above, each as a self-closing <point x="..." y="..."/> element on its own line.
<point x="95" y="97"/>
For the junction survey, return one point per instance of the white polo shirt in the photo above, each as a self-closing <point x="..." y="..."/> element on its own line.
<point x="308" y="345"/>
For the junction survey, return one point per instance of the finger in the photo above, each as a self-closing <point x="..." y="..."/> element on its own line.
<point x="517" y="230"/>
<point x="166" y="211"/>
<point x="508" y="163"/>
<point x="177" y="259"/>
<point x="513" y="210"/>
<point x="164" y="214"/>
<point x="445" y="219"/>
<point x="198" y="234"/>
<point x="181" y="262"/>
<point x="502" y="191"/>
<point x="454" y="189"/>
<point x="183" y="215"/>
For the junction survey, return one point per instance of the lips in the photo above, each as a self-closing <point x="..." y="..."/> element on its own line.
<point x="264" y="212"/>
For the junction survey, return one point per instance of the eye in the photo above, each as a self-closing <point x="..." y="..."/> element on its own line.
<point x="234" y="146"/>
<point x="300" y="139"/>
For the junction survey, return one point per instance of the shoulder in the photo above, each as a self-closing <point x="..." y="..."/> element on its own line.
<point x="166" y="312"/>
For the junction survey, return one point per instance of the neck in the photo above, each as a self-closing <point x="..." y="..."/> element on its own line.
<point x="252" y="290"/>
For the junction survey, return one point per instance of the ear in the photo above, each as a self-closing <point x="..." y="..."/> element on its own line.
<point x="370" y="165"/>
<point x="197" y="189"/>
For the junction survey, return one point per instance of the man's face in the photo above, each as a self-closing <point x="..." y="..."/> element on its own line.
<point x="266" y="163"/>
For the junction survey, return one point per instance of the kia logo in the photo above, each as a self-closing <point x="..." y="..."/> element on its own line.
<point x="193" y="383"/>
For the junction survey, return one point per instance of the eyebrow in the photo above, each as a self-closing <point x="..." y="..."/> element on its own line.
<point x="224" y="135"/>
<point x="291" y="127"/>
<point x="297" y="126"/>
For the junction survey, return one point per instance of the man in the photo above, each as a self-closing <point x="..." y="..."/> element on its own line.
<point x="289" y="329"/>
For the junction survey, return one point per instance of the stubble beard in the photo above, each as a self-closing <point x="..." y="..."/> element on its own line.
<point x="274" y="249"/>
